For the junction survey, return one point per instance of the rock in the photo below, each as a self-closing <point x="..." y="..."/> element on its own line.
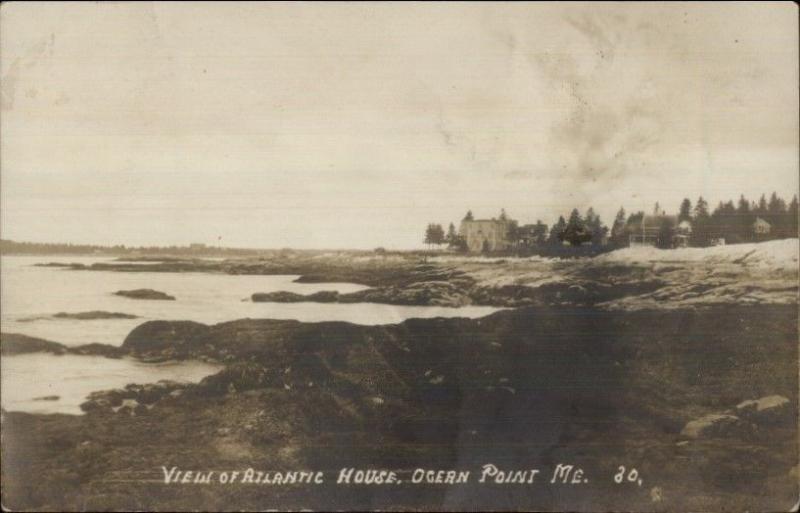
<point x="324" y="296"/>
<point x="47" y="398"/>
<point x="772" y="408"/>
<point x="714" y="425"/>
<point x="280" y="296"/>
<point x="145" y="294"/>
<point x="93" y="315"/>
<point x="163" y="340"/>
<point x="97" y="350"/>
<point x="238" y="377"/>
<point x="15" y="343"/>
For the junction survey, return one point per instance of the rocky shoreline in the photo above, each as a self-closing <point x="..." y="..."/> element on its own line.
<point x="16" y="344"/>
<point x="539" y="384"/>
<point x="627" y="280"/>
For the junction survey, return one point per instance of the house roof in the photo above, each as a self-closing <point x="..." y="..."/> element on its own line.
<point x="652" y="224"/>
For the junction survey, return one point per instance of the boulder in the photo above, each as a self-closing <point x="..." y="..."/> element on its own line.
<point x="93" y="315"/>
<point x="15" y="343"/>
<point x="164" y="340"/>
<point x="145" y="294"/>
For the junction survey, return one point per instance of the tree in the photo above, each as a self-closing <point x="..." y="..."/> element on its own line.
<point x="557" y="232"/>
<point x="576" y="232"/>
<point x="503" y="216"/>
<point x="743" y="219"/>
<point x="776" y="205"/>
<point x="761" y="209"/>
<point x="700" y="228"/>
<point x="744" y="206"/>
<point x="539" y="234"/>
<point x="701" y="208"/>
<point x="434" y="234"/>
<point x="513" y="233"/>
<point x="618" y="235"/>
<point x="664" y="237"/>
<point x="792" y="215"/>
<point x="685" y="211"/>
<point x="468" y="217"/>
<point x="595" y="227"/>
<point x="451" y="234"/>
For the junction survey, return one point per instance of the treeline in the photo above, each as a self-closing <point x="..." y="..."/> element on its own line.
<point x="9" y="247"/>
<point x="731" y="222"/>
<point x="734" y="222"/>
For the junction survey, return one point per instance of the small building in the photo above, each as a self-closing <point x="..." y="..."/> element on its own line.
<point x="761" y="227"/>
<point x="530" y="235"/>
<point x="645" y="231"/>
<point x="683" y="233"/>
<point x="486" y="235"/>
<point x="648" y="230"/>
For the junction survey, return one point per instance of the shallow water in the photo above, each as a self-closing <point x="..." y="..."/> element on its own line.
<point x="39" y="292"/>
<point x="28" y="378"/>
<point x="30" y="296"/>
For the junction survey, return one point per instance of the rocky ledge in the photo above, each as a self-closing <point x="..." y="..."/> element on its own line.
<point x="544" y="385"/>
<point x="15" y="343"/>
<point x="145" y="294"/>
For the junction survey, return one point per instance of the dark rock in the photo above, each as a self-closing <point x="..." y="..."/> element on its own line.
<point x="161" y="340"/>
<point x="47" y="398"/>
<point x="15" y="343"/>
<point x="323" y="296"/>
<point x="93" y="315"/>
<point x="145" y="294"/>
<point x="96" y="349"/>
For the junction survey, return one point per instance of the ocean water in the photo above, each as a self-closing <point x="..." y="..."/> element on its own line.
<point x="31" y="295"/>
<point x="46" y="383"/>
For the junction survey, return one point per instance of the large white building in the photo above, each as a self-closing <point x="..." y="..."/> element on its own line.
<point x="486" y="235"/>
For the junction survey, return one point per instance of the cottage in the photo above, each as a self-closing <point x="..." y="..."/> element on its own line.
<point x="486" y="235"/>
<point x="645" y="231"/>
<point x="648" y="230"/>
<point x="761" y="227"/>
<point x="531" y="235"/>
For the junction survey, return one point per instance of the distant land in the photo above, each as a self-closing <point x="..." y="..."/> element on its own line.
<point x="10" y="247"/>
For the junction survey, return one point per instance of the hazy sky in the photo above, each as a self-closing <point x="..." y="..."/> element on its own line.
<point x="354" y="125"/>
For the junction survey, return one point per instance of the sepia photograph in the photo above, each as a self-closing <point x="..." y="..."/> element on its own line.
<point x="388" y="256"/>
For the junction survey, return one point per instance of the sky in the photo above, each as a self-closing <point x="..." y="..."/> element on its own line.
<point x="354" y="125"/>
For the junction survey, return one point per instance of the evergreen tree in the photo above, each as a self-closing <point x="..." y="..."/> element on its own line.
<point x="685" y="211"/>
<point x="539" y="234"/>
<point x="665" y="231"/>
<point x="452" y="236"/>
<point x="701" y="209"/>
<point x="434" y="234"/>
<point x="576" y="232"/>
<point x="701" y="225"/>
<point x="761" y="209"/>
<point x="595" y="226"/>
<point x="618" y="235"/>
<point x="744" y="220"/>
<point x="744" y="206"/>
<point x="776" y="205"/>
<point x="468" y="217"/>
<point x="557" y="232"/>
<point x="792" y="215"/>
